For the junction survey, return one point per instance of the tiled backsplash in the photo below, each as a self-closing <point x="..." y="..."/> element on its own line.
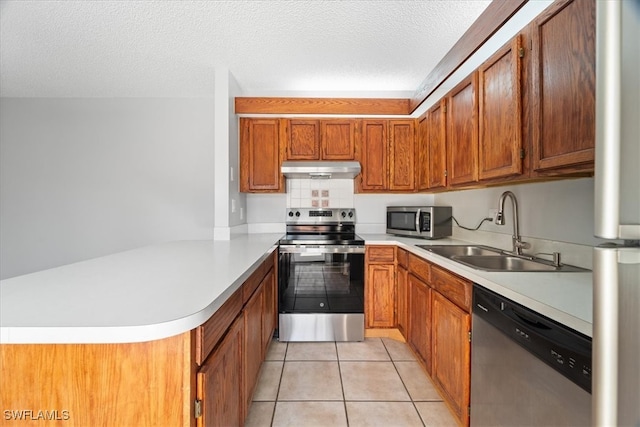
<point x="320" y="193"/>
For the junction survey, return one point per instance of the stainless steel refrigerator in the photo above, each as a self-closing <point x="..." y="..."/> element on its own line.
<point x="616" y="265"/>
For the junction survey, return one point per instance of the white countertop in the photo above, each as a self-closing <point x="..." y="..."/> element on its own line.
<point x="139" y="295"/>
<point x="163" y="290"/>
<point x="564" y="297"/>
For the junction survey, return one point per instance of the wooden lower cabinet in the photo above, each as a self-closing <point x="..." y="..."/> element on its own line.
<point x="220" y="387"/>
<point x="402" y="295"/>
<point x="419" y="315"/>
<point x="437" y="316"/>
<point x="227" y="379"/>
<point x="380" y="287"/>
<point x="253" y="312"/>
<point x="380" y="296"/>
<point x="452" y="354"/>
<point x="270" y="308"/>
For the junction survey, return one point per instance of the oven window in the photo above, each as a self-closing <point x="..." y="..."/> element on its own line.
<point x="401" y="220"/>
<point x="321" y="283"/>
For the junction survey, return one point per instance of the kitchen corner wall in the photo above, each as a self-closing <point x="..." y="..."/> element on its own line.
<point x="230" y="205"/>
<point x="81" y="178"/>
<point x="560" y="211"/>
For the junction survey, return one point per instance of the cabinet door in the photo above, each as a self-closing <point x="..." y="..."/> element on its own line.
<point x="563" y="85"/>
<point x="451" y="354"/>
<point x="462" y="132"/>
<point x="380" y="296"/>
<point x="500" y="141"/>
<point x="422" y="168"/>
<point x="270" y="308"/>
<point x="253" y="349"/>
<point x="436" y="145"/>
<point x="303" y="140"/>
<point x="420" y="319"/>
<point x="338" y="139"/>
<point x="373" y="155"/>
<point x="260" y="156"/>
<point x="402" y="294"/>
<point x="402" y="154"/>
<point x="219" y="381"/>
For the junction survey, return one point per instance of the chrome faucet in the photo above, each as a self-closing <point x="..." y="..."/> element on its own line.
<point x="518" y="244"/>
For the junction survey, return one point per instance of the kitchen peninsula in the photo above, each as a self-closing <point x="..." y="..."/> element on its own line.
<point x="114" y="338"/>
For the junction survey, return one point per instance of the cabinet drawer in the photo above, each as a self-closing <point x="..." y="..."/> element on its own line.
<point x="252" y="283"/>
<point x="455" y="288"/>
<point x="381" y="254"/>
<point x="420" y="268"/>
<point x="403" y="258"/>
<point x="210" y="333"/>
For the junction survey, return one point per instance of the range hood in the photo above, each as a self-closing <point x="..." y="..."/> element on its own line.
<point x="320" y="170"/>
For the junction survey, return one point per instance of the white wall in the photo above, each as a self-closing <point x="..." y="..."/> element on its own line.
<point x="230" y="204"/>
<point x="81" y="178"/>
<point x="555" y="210"/>
<point x="266" y="212"/>
<point x="237" y="215"/>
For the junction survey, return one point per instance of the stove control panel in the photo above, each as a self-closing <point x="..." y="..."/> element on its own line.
<point x="320" y="216"/>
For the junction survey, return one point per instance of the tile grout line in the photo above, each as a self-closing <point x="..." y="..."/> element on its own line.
<point x="413" y="403"/>
<point x="284" y="360"/>
<point x="344" y="397"/>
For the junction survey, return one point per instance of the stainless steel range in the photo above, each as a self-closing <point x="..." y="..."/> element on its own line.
<point x="321" y="277"/>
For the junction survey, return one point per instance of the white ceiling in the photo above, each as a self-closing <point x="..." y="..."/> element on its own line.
<point x="107" y="48"/>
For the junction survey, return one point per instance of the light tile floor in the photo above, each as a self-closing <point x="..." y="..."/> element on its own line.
<point x="370" y="383"/>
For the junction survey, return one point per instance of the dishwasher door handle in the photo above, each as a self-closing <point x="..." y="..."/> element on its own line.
<point x="531" y="322"/>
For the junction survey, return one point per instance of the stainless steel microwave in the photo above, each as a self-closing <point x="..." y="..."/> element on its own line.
<point x="427" y="222"/>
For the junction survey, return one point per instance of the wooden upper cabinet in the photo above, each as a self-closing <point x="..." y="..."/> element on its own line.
<point x="303" y="140"/>
<point x="436" y="145"/>
<point x="422" y="167"/>
<point x="373" y="155"/>
<point x="260" y="155"/>
<point x="402" y="149"/>
<point x="462" y="132"/>
<point x="387" y="153"/>
<point x="338" y="139"/>
<point x="320" y="139"/>
<point x="500" y="109"/>
<point x="563" y="85"/>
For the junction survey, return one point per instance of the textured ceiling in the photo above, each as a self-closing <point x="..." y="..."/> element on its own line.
<point x="90" y="48"/>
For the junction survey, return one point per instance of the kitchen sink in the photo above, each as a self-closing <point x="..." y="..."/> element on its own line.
<point x="460" y="250"/>
<point x="493" y="259"/>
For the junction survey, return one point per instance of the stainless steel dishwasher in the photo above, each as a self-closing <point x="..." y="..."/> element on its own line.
<point x="526" y="370"/>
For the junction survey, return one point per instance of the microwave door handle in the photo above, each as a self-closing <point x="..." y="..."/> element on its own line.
<point x="418" y="218"/>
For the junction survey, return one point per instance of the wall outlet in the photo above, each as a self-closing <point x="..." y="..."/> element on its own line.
<point x="241" y="212"/>
<point x="233" y="205"/>
<point x="231" y="173"/>
<point x="493" y="214"/>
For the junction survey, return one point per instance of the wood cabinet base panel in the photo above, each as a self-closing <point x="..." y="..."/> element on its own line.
<point x="99" y="384"/>
<point x="384" y="333"/>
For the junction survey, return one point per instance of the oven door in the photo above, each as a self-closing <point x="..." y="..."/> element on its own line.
<point x="321" y="293"/>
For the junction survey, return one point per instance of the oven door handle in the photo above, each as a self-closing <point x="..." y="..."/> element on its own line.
<point x="321" y="249"/>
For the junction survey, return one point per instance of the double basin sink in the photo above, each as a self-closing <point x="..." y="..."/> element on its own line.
<point x="493" y="259"/>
